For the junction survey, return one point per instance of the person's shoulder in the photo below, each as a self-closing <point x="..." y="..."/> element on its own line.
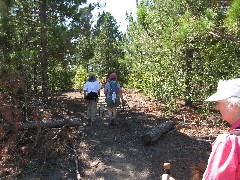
<point x="97" y="82"/>
<point x="107" y="84"/>
<point x="114" y="81"/>
<point x="227" y="138"/>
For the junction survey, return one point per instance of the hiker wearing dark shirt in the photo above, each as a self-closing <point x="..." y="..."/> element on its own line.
<point x="113" y="93"/>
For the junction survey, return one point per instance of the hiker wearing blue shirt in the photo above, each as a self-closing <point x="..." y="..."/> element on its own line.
<point x="113" y="93"/>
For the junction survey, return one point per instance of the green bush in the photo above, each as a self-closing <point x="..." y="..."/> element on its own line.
<point x="80" y="77"/>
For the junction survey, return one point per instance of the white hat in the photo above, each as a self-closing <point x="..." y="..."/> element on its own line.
<point x="226" y="89"/>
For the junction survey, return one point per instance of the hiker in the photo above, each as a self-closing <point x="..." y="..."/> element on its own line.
<point x="91" y="93"/>
<point x="113" y="93"/>
<point x="105" y="80"/>
<point x="224" y="160"/>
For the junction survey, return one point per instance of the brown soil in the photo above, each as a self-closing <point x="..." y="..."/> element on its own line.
<point x="99" y="151"/>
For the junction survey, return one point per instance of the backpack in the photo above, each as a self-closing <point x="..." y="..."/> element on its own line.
<point x="92" y="96"/>
<point x="113" y="87"/>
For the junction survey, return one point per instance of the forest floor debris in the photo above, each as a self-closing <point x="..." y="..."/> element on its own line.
<point x="98" y="151"/>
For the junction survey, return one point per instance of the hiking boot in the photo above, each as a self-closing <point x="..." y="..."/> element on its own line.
<point x="93" y="120"/>
<point x="111" y="120"/>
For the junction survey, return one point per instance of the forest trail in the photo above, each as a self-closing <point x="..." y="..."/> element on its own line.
<point x="97" y="151"/>
<point x="117" y="152"/>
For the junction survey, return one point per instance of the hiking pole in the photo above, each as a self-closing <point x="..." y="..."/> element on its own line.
<point x="167" y="173"/>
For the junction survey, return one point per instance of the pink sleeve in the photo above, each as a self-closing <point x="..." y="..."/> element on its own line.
<point x="223" y="162"/>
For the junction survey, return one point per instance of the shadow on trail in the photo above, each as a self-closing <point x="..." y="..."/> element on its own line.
<point x="117" y="152"/>
<point x="105" y="152"/>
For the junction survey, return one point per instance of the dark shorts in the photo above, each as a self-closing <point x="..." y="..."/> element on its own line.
<point x="110" y="102"/>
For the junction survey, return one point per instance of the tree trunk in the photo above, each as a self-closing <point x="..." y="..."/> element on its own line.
<point x="44" y="64"/>
<point x="155" y="133"/>
<point x="188" y="78"/>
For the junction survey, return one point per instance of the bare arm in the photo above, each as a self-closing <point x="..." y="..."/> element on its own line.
<point x="105" y="90"/>
<point x="121" y="94"/>
<point x="98" y="93"/>
<point x="84" y="94"/>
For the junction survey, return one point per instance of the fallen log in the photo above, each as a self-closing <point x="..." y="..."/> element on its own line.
<point x="6" y="128"/>
<point x="54" y="123"/>
<point x="155" y="133"/>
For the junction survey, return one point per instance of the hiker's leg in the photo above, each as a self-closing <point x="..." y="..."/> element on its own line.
<point x="109" y="109"/>
<point x="114" y="109"/>
<point x="110" y="114"/>
<point x="93" y="110"/>
<point x="88" y="109"/>
<point x="109" y="106"/>
<point x="114" y="112"/>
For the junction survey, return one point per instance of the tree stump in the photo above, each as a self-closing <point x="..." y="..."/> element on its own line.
<point x="167" y="174"/>
<point x="155" y="133"/>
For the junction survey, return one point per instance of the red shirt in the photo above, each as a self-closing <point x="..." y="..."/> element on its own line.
<point x="223" y="163"/>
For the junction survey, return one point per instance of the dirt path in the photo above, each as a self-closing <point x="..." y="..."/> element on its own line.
<point x="117" y="152"/>
<point x="105" y="152"/>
